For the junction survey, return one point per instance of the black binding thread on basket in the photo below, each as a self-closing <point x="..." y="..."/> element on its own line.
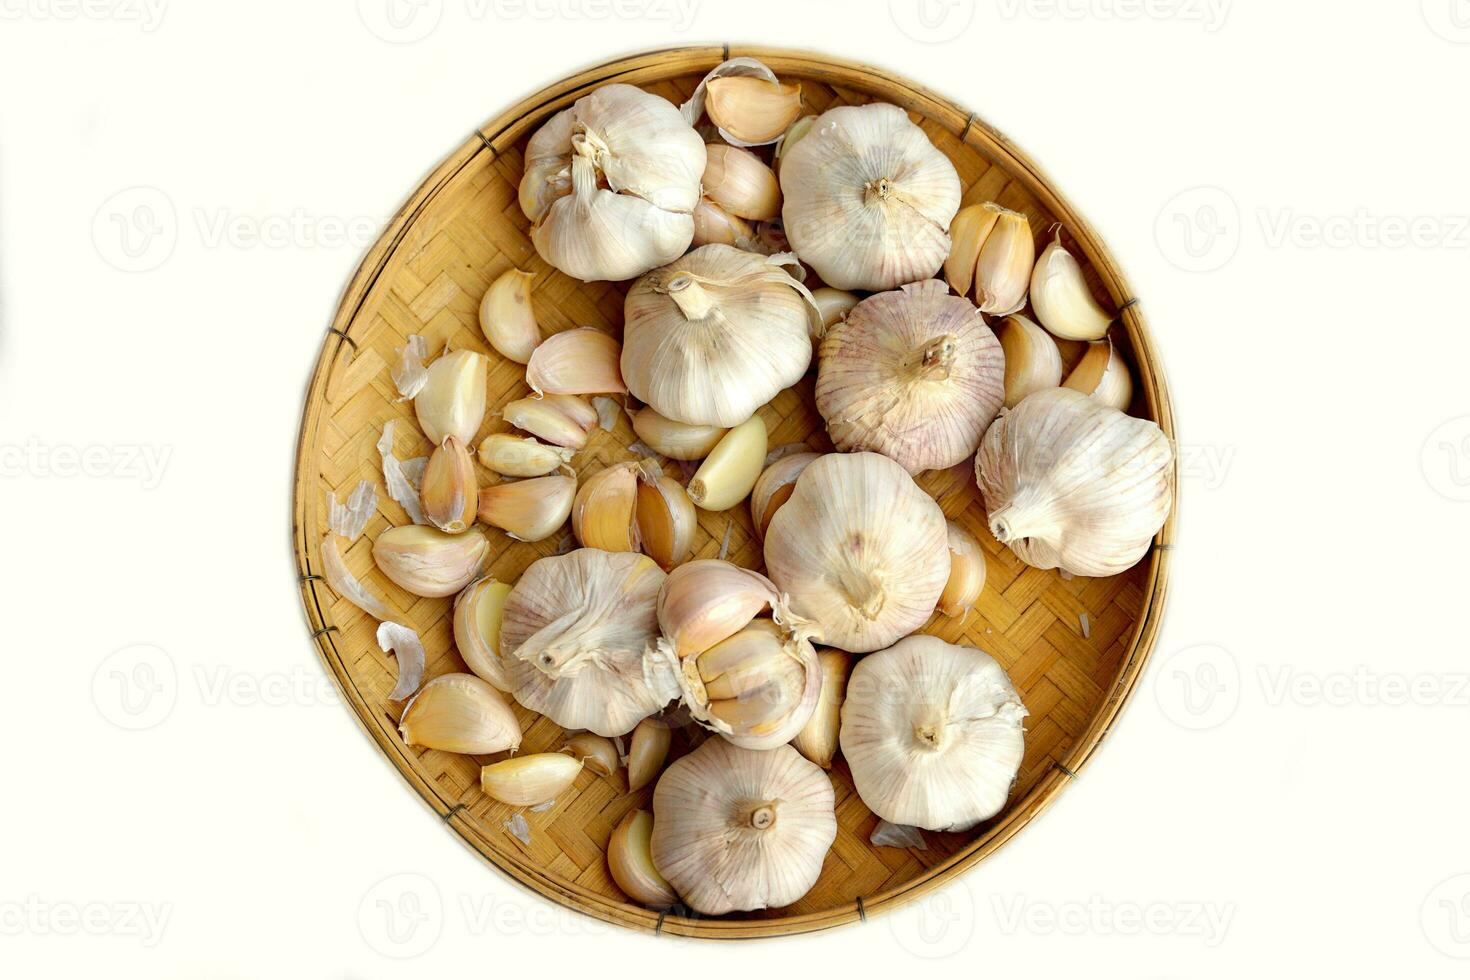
<point x="448" y="816"/>
<point x="311" y="578"/>
<point x="658" y="927"/>
<point x="862" y="911"/>
<point x="1069" y="773"/>
<point x="1131" y="302"/>
<point x="324" y="629"/>
<point x="724" y="56"/>
<point x="969" y="124"/>
<point x="344" y="336"/>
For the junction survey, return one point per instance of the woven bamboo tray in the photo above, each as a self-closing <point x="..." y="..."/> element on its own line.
<point x="426" y="274"/>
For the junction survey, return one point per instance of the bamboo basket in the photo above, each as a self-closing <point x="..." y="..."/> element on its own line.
<point x="1074" y="648"/>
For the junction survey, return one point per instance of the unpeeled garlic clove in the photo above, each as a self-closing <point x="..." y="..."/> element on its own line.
<point x="558" y="419"/>
<point x="729" y="472"/>
<point x="448" y="489"/>
<point x="666" y="518"/>
<point x="506" y="317"/>
<point x="676" y="440"/>
<point x="597" y="753"/>
<point x="477" y="614"/>
<point x="460" y="713"/>
<point x="428" y="562"/>
<point x="971" y="226"/>
<point x="452" y="400"/>
<point x="1032" y="360"/>
<point x="966" y="572"/>
<point x="833" y="305"/>
<point x="529" y="510"/>
<point x="1003" y="270"/>
<point x="604" y="514"/>
<point x="757" y="688"/>
<point x="583" y="361"/>
<point x="647" y="751"/>
<point x="740" y="184"/>
<point x="713" y="225"/>
<point x="530" y="780"/>
<point x="1061" y="298"/>
<point x="818" y="738"/>
<point x="706" y="601"/>
<point x="752" y="110"/>
<point x="630" y="862"/>
<point x="774" y="487"/>
<point x="517" y="456"/>
<point x="1103" y="374"/>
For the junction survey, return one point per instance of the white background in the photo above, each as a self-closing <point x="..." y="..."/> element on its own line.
<point x="1287" y="787"/>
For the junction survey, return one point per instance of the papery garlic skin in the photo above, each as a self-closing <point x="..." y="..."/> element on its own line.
<point x="914" y="374"/>
<point x="460" y="713"/>
<point x="452" y="400"/>
<point x="932" y="733"/>
<point x="860" y="550"/>
<point x="477" y="614"/>
<point x="736" y="829"/>
<point x="1071" y="483"/>
<point x="868" y="199"/>
<point x="1061" y="298"/>
<point x="429" y="562"/>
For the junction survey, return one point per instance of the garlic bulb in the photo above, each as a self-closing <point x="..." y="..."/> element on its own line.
<point x="868" y="198"/>
<point x="610" y="183"/>
<point x="1061" y="298"/>
<point x="994" y="249"/>
<point x="452" y="400"/>
<point x="736" y="829"/>
<point x="1102" y="374"/>
<point x="1032" y="359"/>
<point x="709" y="600"/>
<point x="860" y="550"/>
<point x="506" y="317"/>
<point x="729" y="472"/>
<point x="966" y="572"/>
<point x="817" y="740"/>
<point x="932" y="733"/>
<point x="774" y="488"/>
<point x="676" y="440"/>
<point x="428" y="562"/>
<point x="914" y="374"/>
<point x="573" y="638"/>
<point x="460" y="713"/>
<point x="477" y="613"/>
<point x="710" y="338"/>
<point x="1071" y="483"/>
<point x="583" y="361"/>
<point x="529" y="510"/>
<point x="448" y="490"/>
<point x="740" y="184"/>
<point x="630" y="862"/>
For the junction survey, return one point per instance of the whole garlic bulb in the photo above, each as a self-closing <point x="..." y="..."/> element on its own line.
<point x="932" y="733"/>
<point x="1071" y="483"/>
<point x="715" y="335"/>
<point x="736" y="829"/>
<point x="860" y="550"/>
<point x="914" y="374"/>
<point x="611" y="184"/>
<point x="868" y="199"/>
<point x="573" y="635"/>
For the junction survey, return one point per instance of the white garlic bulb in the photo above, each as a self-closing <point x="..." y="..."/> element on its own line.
<point x="1071" y="483"/>
<point x="736" y="829"/>
<point x="611" y="183"/>
<point x="710" y="338"/>
<point x="859" y="550"/>
<point x="914" y="374"/>
<point x="868" y="199"/>
<point x="573" y="635"/>
<point x="932" y="733"/>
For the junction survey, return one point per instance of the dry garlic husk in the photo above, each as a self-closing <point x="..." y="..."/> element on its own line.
<point x="610" y="184"/>
<point x="529" y="510"/>
<point x="452" y="400"/>
<point x="573" y="638"/>
<point x="966" y="572"/>
<point x="1061" y="298"/>
<point x="710" y="338"/>
<point x="630" y="862"/>
<point x="868" y="199"/>
<point x="449" y="490"/>
<point x="506" y="317"/>
<point x="598" y="754"/>
<point x="429" y="562"/>
<point x="530" y="780"/>
<point x="648" y="749"/>
<point x="713" y="225"/>
<point x="694" y="109"/>
<point x="993" y="250"/>
<point x="460" y="713"/>
<point x="557" y="419"/>
<point x="859" y="549"/>
<point x="676" y="440"/>
<point x="737" y="829"/>
<point x="667" y="522"/>
<point x="914" y="374"/>
<point x="477" y="614"/>
<point x="740" y="184"/>
<point x="511" y="455"/>
<point x="932" y="733"/>
<point x="817" y="740"/>
<point x="1103" y="374"/>
<point x="774" y="488"/>
<point x="605" y="512"/>
<point x="1032" y="359"/>
<point x="751" y="111"/>
<point x="729" y="472"/>
<point x="833" y="305"/>
<point x="349" y="586"/>
<point x="709" y="600"/>
<point x="1071" y="483"/>
<point x="583" y="361"/>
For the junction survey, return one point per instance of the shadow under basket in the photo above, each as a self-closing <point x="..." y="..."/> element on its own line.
<point x="1074" y="647"/>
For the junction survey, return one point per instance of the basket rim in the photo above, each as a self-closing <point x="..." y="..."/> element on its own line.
<point x="506" y="127"/>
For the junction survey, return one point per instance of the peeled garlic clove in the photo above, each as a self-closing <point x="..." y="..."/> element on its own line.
<point x="1061" y="298"/>
<point x="833" y="305"/>
<point x="666" y="519"/>
<point x="630" y="862"/>
<point x="604" y="514"/>
<point x="1070" y="483"/>
<point x="774" y="488"/>
<point x="968" y="231"/>
<point x="460" y="713"/>
<point x="676" y="440"/>
<point x="1102" y="374"/>
<point x="932" y="733"/>
<point x="511" y="455"/>
<point x="529" y="510"/>
<point x="530" y="780"/>
<point x="793" y="135"/>
<point x="756" y="688"/>
<point x="713" y="225"/>
<point x="817" y="739"/>
<point x="647" y="751"/>
<point x="966" y="572"/>
<point x="705" y="601"/>
<point x="598" y="754"/>
<point x="477" y="612"/>
<point x="506" y="317"/>
<point x="428" y="562"/>
<point x="583" y="361"/>
<point x="1004" y="268"/>
<point x="549" y="418"/>
<point x="448" y="490"/>
<point x="452" y="400"/>
<point x="1032" y="360"/>
<point x="740" y="183"/>
<point x="752" y="110"/>
<point x="729" y="472"/>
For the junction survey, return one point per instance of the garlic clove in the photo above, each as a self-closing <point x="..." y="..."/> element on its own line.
<point x="676" y="440"/>
<point x="583" y="361"/>
<point x="517" y="456"/>
<point x="529" y="510"/>
<point x="477" y="613"/>
<point x="729" y="472"/>
<point x="752" y="110"/>
<point x="817" y="740"/>
<point x="428" y="562"/>
<point x="1061" y="298"/>
<point x="706" y="601"/>
<point x="506" y="317"/>
<point x="713" y="225"/>
<point x="966" y="572"/>
<point x="739" y="183"/>
<point x="448" y="489"/>
<point x="1003" y="270"/>
<point x="452" y="400"/>
<point x="555" y="418"/>
<point x="597" y="753"/>
<point x="757" y="688"/>
<point x="1032" y="359"/>
<point x="833" y="305"/>
<point x="968" y="231"/>
<point x="774" y="488"/>
<point x="630" y="862"/>
<point x="530" y="780"/>
<point x="666" y="519"/>
<point x="604" y="514"/>
<point x="793" y="135"/>
<point x="1103" y="374"/>
<point x="460" y="713"/>
<point x="647" y="751"/>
